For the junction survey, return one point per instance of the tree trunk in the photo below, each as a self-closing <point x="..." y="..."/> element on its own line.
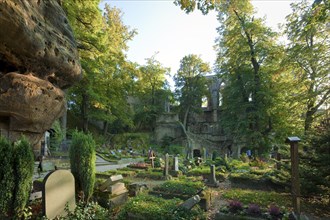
<point x="84" y="109"/>
<point x="185" y="119"/>
<point x="105" y="127"/>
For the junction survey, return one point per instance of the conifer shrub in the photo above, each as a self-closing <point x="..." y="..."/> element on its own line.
<point x="6" y="176"/>
<point x="82" y="161"/>
<point x="16" y="171"/>
<point x="23" y="171"/>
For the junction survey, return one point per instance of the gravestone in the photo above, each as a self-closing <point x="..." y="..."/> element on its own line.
<point x="176" y="164"/>
<point x="213" y="181"/>
<point x="112" y="192"/>
<point x="191" y="202"/>
<point x="166" y="168"/>
<point x="58" y="191"/>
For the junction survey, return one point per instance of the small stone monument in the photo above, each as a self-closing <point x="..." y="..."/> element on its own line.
<point x="112" y="192"/>
<point x="58" y="191"/>
<point x="191" y="202"/>
<point x="213" y="181"/>
<point x="166" y="168"/>
<point x="176" y="164"/>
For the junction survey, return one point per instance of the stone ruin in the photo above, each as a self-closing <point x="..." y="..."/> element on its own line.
<point x="38" y="59"/>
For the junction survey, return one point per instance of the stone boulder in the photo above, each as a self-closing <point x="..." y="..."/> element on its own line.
<point x="38" y="58"/>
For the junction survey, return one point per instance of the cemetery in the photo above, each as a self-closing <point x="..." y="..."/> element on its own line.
<point x="86" y="133"/>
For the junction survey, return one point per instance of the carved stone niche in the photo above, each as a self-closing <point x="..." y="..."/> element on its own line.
<point x="38" y="58"/>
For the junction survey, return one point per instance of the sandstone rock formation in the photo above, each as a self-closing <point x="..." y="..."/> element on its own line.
<point x="38" y="58"/>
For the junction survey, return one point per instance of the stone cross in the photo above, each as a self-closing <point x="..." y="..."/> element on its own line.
<point x="152" y="157"/>
<point x="58" y="191"/>
<point x="176" y="164"/>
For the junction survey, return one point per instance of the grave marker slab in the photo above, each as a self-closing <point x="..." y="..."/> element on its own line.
<point x="58" y="191"/>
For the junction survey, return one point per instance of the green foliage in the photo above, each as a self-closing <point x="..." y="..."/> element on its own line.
<point x="23" y="172"/>
<point x="191" y="86"/>
<point x="262" y="198"/>
<point x="180" y="187"/>
<point x="154" y="208"/>
<point x="174" y="150"/>
<point x="152" y="92"/>
<point x="203" y="5"/>
<point x="248" y="64"/>
<point x="16" y="172"/>
<point x="6" y="175"/>
<point x="135" y="140"/>
<point x="107" y="77"/>
<point x="308" y="56"/>
<point x="87" y="211"/>
<point x="58" y="136"/>
<point x="82" y="161"/>
<point x="315" y="170"/>
<point x="150" y="174"/>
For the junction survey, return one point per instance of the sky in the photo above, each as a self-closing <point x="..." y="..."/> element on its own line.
<point x="165" y="29"/>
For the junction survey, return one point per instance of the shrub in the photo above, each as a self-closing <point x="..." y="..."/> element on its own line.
<point x="82" y="161"/>
<point x="235" y="206"/>
<point x="17" y="164"/>
<point x="23" y="172"/>
<point x="86" y="212"/>
<point x="6" y="175"/>
<point x="274" y="210"/>
<point x="253" y="209"/>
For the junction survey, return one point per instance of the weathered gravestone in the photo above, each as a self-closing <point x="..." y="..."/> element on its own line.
<point x="112" y="192"/>
<point x="212" y="180"/>
<point x="176" y="164"/>
<point x="167" y="176"/>
<point x="58" y="192"/>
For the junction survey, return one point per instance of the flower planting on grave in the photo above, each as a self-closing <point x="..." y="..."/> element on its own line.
<point x="256" y="203"/>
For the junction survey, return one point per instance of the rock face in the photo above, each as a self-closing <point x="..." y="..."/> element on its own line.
<point x="38" y="58"/>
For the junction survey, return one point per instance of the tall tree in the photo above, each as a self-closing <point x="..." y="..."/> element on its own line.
<point x="190" y="85"/>
<point x="152" y="92"/>
<point x="101" y="95"/>
<point x="248" y="58"/>
<point x="87" y="23"/>
<point x="308" y="54"/>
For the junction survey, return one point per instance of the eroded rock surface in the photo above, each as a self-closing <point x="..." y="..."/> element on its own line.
<point x="38" y="58"/>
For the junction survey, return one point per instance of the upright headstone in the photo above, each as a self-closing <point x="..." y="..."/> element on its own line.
<point x="176" y="164"/>
<point x="166" y="165"/>
<point x="167" y="176"/>
<point x="58" y="191"/>
<point x="213" y="181"/>
<point x="293" y="141"/>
